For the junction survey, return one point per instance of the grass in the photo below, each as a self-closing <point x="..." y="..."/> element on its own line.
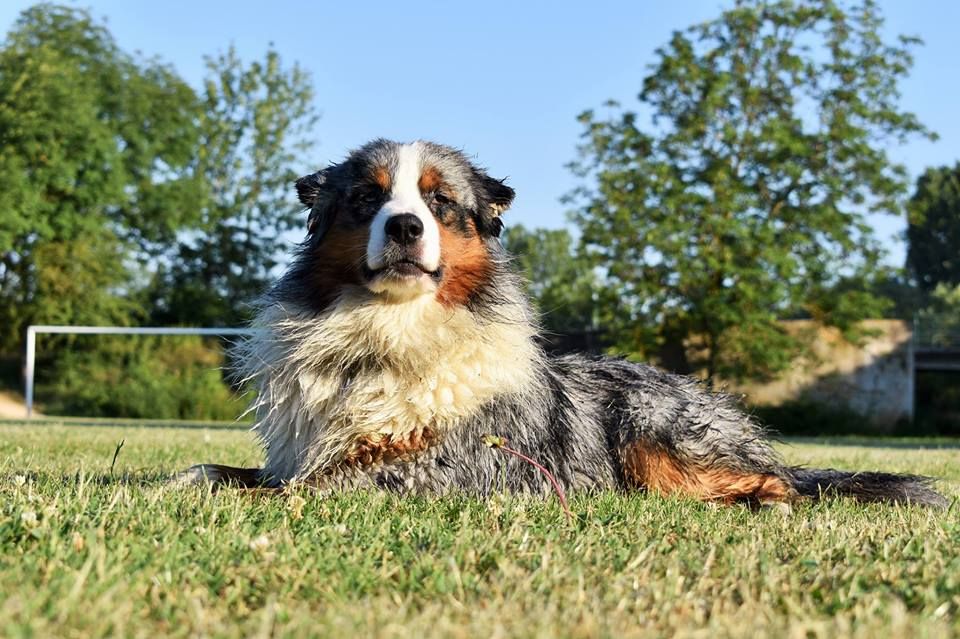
<point x="86" y="553"/>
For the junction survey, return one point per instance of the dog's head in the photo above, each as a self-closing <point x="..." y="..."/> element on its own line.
<point x="402" y="220"/>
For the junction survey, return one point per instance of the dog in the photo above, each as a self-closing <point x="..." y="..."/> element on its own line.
<point x="400" y="339"/>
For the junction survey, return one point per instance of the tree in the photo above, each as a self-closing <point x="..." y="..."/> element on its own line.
<point x="745" y="200"/>
<point x="97" y="151"/>
<point x="939" y="323"/>
<point x="561" y="283"/>
<point x="119" y="186"/>
<point x="933" y="232"/>
<point x="254" y="140"/>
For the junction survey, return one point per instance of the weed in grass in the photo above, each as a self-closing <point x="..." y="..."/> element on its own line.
<point x="500" y="443"/>
<point x="116" y="454"/>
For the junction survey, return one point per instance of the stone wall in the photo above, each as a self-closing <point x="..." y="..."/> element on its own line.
<point x="874" y="378"/>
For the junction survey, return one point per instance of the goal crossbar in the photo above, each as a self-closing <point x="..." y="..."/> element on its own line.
<point x="33" y="330"/>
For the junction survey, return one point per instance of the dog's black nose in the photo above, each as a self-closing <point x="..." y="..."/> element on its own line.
<point x="404" y="229"/>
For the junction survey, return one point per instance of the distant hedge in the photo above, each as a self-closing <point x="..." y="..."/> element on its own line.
<point x="804" y="417"/>
<point x="138" y="377"/>
<point x="938" y="415"/>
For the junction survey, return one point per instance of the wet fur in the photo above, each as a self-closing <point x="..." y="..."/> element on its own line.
<point x="359" y="390"/>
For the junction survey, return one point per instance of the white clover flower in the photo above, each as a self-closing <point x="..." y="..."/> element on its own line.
<point x="260" y="544"/>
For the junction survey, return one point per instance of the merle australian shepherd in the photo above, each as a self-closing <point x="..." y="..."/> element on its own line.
<point x="399" y="337"/>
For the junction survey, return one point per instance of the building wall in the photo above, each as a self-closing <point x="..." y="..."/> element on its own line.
<point x="874" y="378"/>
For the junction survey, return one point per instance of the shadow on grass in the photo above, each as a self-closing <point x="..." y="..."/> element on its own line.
<point x="124" y="423"/>
<point x="900" y="443"/>
<point x="137" y="479"/>
<point x="128" y="478"/>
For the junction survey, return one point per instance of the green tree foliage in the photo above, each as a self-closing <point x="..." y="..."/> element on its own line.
<point x="939" y="323"/>
<point x="126" y="197"/>
<point x="933" y="233"/>
<point x="744" y="201"/>
<point x="97" y="152"/>
<point x="254" y="131"/>
<point x="561" y="283"/>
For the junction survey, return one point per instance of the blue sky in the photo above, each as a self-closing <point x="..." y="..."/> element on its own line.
<point x="503" y="80"/>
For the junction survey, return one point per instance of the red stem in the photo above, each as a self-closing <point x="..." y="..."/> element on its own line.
<point x="556" y="484"/>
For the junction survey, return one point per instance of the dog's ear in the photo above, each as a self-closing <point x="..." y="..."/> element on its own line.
<point x="495" y="198"/>
<point x="499" y="195"/>
<point x="318" y="194"/>
<point x="309" y="187"/>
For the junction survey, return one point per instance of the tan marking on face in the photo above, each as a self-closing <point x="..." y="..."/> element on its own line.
<point x="430" y="180"/>
<point x="382" y="177"/>
<point x="466" y="265"/>
<point x="338" y="260"/>
<point x="658" y="471"/>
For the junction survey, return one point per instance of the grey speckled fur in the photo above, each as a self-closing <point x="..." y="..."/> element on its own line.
<point x="578" y="416"/>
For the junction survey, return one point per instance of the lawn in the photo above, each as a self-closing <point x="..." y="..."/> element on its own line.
<point x="88" y="552"/>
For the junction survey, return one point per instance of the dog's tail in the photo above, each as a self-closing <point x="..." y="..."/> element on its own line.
<point x="866" y="486"/>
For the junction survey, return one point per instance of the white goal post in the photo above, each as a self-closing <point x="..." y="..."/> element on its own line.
<point x="33" y="330"/>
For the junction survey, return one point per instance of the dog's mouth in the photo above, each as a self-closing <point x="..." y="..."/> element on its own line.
<point x="407" y="267"/>
<point x="403" y="269"/>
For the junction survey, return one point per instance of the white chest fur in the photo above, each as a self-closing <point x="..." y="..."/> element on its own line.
<point x="372" y="368"/>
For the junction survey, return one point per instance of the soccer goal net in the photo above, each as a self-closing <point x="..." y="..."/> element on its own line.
<point x="117" y="377"/>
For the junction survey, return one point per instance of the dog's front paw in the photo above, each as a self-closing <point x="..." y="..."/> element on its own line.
<point x="217" y="475"/>
<point x="199" y="475"/>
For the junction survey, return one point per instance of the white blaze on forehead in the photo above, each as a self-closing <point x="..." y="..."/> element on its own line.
<point x="405" y="198"/>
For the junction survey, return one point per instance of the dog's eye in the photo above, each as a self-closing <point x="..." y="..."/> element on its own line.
<point x="441" y="199"/>
<point x="368" y="195"/>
